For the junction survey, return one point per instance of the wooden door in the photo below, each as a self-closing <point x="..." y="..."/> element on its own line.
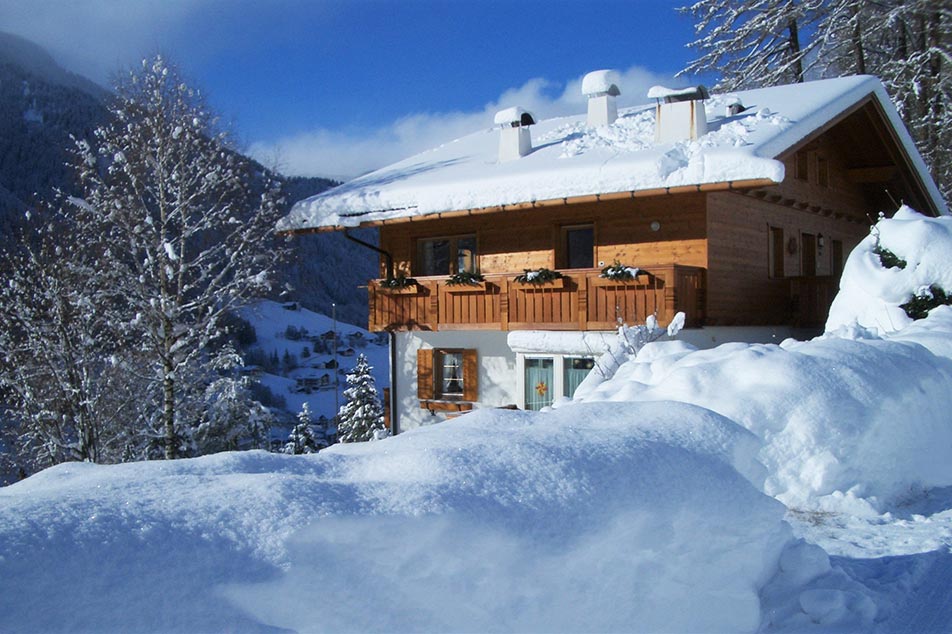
<point x="808" y="254"/>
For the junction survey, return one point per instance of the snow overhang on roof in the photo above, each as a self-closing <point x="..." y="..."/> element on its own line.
<point x="574" y="162"/>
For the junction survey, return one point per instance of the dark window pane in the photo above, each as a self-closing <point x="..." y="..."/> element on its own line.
<point x="579" y="248"/>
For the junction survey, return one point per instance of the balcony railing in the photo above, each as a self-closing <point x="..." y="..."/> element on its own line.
<point x="580" y="301"/>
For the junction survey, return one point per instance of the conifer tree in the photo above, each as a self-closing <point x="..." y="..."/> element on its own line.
<point x="301" y="439"/>
<point x="362" y="415"/>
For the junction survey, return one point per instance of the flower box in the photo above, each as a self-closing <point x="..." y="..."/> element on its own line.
<point x="559" y="282"/>
<point x="475" y="287"/>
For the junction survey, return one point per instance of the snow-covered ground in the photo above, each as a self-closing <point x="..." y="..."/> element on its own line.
<point x="805" y="486"/>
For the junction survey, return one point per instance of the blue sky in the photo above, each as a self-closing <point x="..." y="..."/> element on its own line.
<point x="340" y="87"/>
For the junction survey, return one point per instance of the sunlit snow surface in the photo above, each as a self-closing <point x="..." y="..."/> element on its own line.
<point x="651" y="503"/>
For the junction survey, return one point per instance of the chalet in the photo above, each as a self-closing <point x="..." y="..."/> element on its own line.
<point x="736" y="209"/>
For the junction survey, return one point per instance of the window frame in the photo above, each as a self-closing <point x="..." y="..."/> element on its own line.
<point x="562" y="253"/>
<point x="453" y="256"/>
<point x="559" y="360"/>
<point x="430" y="363"/>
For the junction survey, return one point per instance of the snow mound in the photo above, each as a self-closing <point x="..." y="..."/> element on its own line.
<point x="871" y="293"/>
<point x="864" y="415"/>
<point x="589" y="518"/>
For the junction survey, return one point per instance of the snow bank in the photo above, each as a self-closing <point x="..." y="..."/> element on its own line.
<point x="871" y="293"/>
<point x="592" y="518"/>
<point x="849" y="419"/>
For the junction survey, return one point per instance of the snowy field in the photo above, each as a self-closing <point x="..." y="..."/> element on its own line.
<point x="800" y="487"/>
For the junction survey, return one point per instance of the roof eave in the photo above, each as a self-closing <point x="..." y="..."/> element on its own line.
<point x="742" y="184"/>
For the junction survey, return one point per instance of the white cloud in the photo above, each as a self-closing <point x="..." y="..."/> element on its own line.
<point x="343" y="154"/>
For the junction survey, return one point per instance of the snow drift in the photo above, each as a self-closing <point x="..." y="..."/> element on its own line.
<point x="857" y="413"/>
<point x="591" y="518"/>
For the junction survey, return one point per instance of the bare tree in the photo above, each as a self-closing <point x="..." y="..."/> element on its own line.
<point x="173" y="213"/>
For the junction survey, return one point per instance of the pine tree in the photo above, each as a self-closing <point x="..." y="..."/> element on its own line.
<point x="906" y="43"/>
<point x="301" y="439"/>
<point x="172" y="214"/>
<point x="361" y="417"/>
<point x="751" y="43"/>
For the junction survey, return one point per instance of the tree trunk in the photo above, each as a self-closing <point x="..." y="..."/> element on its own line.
<point x="168" y="411"/>
<point x="793" y="44"/>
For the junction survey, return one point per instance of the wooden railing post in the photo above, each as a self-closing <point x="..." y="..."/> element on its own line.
<point x="504" y="304"/>
<point x="582" y="283"/>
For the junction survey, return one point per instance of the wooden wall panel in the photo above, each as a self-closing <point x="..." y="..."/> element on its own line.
<point x="739" y="287"/>
<point x="511" y="241"/>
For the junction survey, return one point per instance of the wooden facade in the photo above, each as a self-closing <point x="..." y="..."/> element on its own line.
<point x="756" y="255"/>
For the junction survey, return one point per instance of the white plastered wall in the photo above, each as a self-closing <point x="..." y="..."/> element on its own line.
<point x="500" y="383"/>
<point x="497" y="371"/>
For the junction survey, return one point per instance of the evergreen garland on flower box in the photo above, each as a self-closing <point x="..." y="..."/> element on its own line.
<point x="538" y="277"/>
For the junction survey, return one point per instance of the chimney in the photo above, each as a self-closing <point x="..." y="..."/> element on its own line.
<point x="601" y="88"/>
<point x="679" y="113"/>
<point x="514" y="139"/>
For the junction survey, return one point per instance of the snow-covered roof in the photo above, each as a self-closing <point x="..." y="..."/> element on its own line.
<point x="572" y="160"/>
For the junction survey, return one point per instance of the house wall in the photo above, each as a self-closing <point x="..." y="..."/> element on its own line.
<point x="497" y="371"/>
<point x="510" y="241"/>
<point x="740" y="288"/>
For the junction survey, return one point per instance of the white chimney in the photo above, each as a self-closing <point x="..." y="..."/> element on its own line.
<point x="514" y="139"/>
<point x="601" y="88"/>
<point x="679" y="113"/>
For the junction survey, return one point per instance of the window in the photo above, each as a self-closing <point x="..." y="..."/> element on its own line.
<point x="543" y="378"/>
<point x="776" y="255"/>
<point x="446" y="256"/>
<point x="822" y="172"/>
<point x="808" y="255"/>
<point x="837" y="259"/>
<point x="577" y="247"/>
<point x="575" y="369"/>
<point x="802" y="166"/>
<point x="449" y="383"/>
<point x="447" y="375"/>
<point x="539" y="376"/>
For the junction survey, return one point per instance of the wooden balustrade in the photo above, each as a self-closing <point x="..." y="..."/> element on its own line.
<point x="579" y="301"/>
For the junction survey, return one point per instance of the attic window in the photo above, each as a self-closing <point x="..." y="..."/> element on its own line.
<point x="802" y="171"/>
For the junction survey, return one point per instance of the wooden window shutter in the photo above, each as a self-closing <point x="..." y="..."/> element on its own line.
<point x="470" y="376"/>
<point x="425" y="373"/>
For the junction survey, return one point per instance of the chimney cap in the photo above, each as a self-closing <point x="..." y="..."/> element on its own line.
<point x="601" y="82"/>
<point x="516" y="116"/>
<point x="673" y="95"/>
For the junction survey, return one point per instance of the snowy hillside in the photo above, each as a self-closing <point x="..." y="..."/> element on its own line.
<point x="300" y="342"/>
<point x="801" y="487"/>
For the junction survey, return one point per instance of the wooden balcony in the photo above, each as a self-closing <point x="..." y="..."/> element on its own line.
<point x="579" y="301"/>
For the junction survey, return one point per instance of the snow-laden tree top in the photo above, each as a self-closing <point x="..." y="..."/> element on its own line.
<point x="570" y="159"/>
